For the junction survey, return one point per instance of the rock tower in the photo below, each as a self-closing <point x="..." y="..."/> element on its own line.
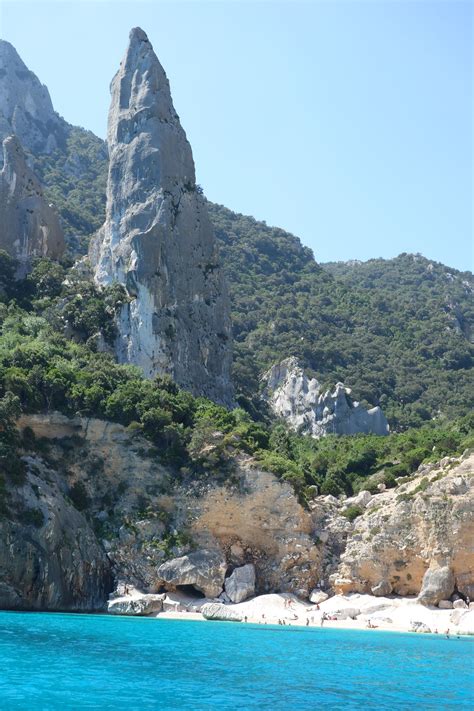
<point x="157" y="239"/>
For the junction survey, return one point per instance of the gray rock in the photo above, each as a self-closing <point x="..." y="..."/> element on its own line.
<point x="141" y="606"/>
<point x="318" y="596"/>
<point x="416" y="626"/>
<point x="348" y="613"/>
<point x="55" y="563"/>
<point x="438" y="584"/>
<point x="382" y="589"/>
<point x="445" y="605"/>
<point x="460" y="605"/>
<point x="217" y="611"/>
<point x="300" y="401"/>
<point x="205" y="570"/>
<point x="25" y="105"/>
<point x="241" y="584"/>
<point x="29" y="225"/>
<point x="157" y="239"/>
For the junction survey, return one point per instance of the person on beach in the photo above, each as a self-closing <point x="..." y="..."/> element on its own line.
<point x="447" y="633"/>
<point x="323" y="618"/>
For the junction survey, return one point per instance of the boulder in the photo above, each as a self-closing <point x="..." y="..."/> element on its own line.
<point x="438" y="584"/>
<point x="416" y="626"/>
<point x="204" y="570"/>
<point x="241" y="584"/>
<point x="445" y="605"/>
<point x="382" y="589"/>
<point x="459" y="605"/>
<point x="318" y="596"/>
<point x="348" y="613"/>
<point x="139" y="606"/>
<point x="217" y="611"/>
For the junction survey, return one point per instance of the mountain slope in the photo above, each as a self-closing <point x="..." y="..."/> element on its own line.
<point x="398" y="332"/>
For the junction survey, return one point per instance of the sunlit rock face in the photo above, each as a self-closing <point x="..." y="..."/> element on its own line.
<point x="157" y="239"/>
<point x="300" y="401"/>
<point x="25" y="106"/>
<point x="29" y="225"/>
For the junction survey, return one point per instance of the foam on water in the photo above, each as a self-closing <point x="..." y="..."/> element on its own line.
<point x="56" y="661"/>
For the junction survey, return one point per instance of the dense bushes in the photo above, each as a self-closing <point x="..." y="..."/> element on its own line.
<point x="396" y="331"/>
<point x="49" y="361"/>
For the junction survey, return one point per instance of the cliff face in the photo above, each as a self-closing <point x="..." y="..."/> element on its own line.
<point x="29" y="225"/>
<point x="136" y="514"/>
<point x="300" y="401"/>
<point x="157" y="239"/>
<point x="50" y="558"/>
<point x="25" y="106"/>
<point x="404" y="535"/>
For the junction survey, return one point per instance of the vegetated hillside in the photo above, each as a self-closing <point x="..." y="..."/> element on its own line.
<point x="50" y="328"/>
<point x="396" y="331"/>
<point x="75" y="177"/>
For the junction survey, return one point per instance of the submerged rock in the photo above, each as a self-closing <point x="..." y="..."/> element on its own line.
<point x="300" y="401"/>
<point x="204" y="570"/>
<point x="157" y="239"/>
<point x="29" y="224"/>
<point x="241" y="584"/>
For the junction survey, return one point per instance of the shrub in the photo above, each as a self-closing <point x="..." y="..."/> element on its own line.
<point x="352" y="512"/>
<point x="78" y="495"/>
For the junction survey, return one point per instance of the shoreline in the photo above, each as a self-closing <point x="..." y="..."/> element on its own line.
<point x="353" y="611"/>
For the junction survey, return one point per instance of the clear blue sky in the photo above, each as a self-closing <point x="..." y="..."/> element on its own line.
<point x="347" y="123"/>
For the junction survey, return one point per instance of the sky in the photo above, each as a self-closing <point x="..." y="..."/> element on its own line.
<point x="348" y="123"/>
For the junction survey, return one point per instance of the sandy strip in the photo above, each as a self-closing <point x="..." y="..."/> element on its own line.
<point x="384" y="614"/>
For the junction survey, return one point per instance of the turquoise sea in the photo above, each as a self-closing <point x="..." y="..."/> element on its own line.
<point x="61" y="661"/>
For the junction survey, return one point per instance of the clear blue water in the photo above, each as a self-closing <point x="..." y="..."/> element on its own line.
<point x="55" y="661"/>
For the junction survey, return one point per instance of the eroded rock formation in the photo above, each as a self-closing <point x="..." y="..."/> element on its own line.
<point x="50" y="558"/>
<point x="157" y="239"/>
<point x="415" y="539"/>
<point x="25" y="105"/>
<point x="300" y="401"/>
<point x="29" y="225"/>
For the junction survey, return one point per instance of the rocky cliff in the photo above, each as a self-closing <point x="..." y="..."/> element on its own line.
<point x="25" y="105"/>
<point x="50" y="558"/>
<point x="404" y="540"/>
<point x="300" y="401"/>
<point x="29" y="225"/>
<point x="154" y="530"/>
<point x="157" y="239"/>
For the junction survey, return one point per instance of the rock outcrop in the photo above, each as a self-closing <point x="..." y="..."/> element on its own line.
<point x="415" y="539"/>
<point x="25" y="106"/>
<point x="203" y="570"/>
<point x="157" y="239"/>
<point x="240" y="585"/>
<point x="29" y="225"/>
<point x="300" y="401"/>
<point x="50" y="558"/>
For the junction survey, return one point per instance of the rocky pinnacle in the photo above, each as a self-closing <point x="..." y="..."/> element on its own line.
<point x="29" y="225"/>
<point x="157" y="239"/>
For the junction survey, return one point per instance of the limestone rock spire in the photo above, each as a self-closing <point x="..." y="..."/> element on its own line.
<point x="29" y="225"/>
<point x="157" y="239"/>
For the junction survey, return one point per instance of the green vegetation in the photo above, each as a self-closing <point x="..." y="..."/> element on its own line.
<point x="396" y="331"/>
<point x="50" y="328"/>
<point x="75" y="176"/>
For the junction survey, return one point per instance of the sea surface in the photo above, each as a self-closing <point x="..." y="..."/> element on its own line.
<point x="64" y="661"/>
